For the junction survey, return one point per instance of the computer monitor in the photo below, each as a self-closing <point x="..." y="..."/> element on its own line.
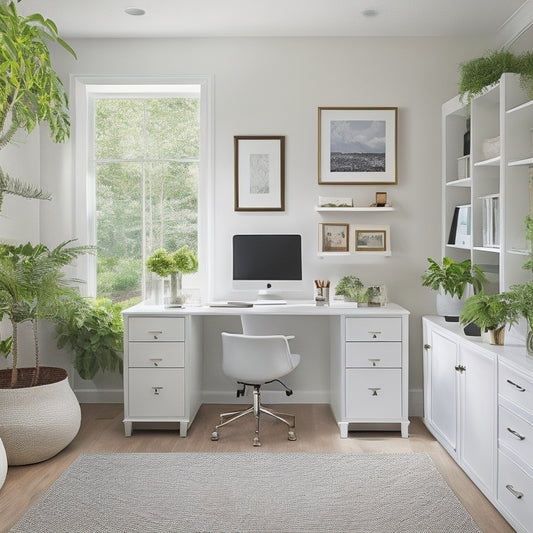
<point x="268" y="263"/>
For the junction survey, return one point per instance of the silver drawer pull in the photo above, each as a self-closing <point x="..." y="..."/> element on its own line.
<point x="374" y="334"/>
<point x="155" y="333"/>
<point x="155" y="361"/>
<point x="521" y="389"/>
<point x="156" y="390"/>
<point x="516" y="434"/>
<point x="374" y="361"/>
<point x="514" y="492"/>
<point x="374" y="390"/>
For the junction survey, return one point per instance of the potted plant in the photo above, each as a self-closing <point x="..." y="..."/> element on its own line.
<point x="352" y="288"/>
<point x="30" y="90"/>
<point x="491" y="312"/>
<point x="39" y="413"/>
<point x="523" y="297"/>
<point x="451" y="280"/>
<point x="164" y="264"/>
<point x="481" y="72"/>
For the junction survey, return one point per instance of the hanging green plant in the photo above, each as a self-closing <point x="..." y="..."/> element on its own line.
<point x="487" y="70"/>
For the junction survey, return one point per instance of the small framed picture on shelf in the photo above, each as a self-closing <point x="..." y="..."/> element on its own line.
<point x="334" y="237"/>
<point x="370" y="240"/>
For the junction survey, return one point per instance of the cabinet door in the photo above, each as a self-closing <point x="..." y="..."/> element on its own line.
<point x="478" y="415"/>
<point x="442" y="358"/>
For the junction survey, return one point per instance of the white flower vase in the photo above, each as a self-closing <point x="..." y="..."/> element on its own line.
<point x="450" y="307"/>
<point x="3" y="463"/>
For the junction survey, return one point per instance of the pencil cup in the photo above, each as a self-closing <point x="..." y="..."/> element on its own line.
<point x="322" y="296"/>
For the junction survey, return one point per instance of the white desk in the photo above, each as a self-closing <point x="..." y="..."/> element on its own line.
<point x="368" y="353"/>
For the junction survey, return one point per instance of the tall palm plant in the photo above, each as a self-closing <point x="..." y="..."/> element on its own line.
<point x="30" y="90"/>
<point x="33" y="286"/>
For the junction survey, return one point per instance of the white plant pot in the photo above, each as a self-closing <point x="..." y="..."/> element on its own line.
<point x="36" y="423"/>
<point x="449" y="307"/>
<point x="3" y="464"/>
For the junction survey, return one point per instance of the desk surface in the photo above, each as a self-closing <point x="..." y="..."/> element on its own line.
<point x="290" y="309"/>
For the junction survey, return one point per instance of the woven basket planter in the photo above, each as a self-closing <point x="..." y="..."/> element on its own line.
<point x="37" y="422"/>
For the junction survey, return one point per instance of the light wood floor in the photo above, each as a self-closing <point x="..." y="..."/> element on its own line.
<point x="102" y="431"/>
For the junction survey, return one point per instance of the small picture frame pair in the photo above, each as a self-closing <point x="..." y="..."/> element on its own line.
<point x="335" y="237"/>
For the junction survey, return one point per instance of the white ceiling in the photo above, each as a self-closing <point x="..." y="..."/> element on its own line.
<point x="202" y="18"/>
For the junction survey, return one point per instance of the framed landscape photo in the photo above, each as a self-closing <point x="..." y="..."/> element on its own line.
<point x="335" y="237"/>
<point x="370" y="240"/>
<point x="259" y="173"/>
<point x="357" y="145"/>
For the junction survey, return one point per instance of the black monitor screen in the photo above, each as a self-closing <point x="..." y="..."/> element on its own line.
<point x="267" y="257"/>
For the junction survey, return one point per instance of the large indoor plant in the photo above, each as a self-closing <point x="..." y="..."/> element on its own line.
<point x="39" y="414"/>
<point x="491" y="312"/>
<point x="30" y="90"/>
<point x="164" y="264"/>
<point x="451" y="279"/>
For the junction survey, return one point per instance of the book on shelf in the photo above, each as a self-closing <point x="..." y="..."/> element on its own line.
<point x="453" y="227"/>
<point x="463" y="233"/>
<point x="491" y="221"/>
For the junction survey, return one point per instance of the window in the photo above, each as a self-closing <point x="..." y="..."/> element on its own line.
<point x="144" y="179"/>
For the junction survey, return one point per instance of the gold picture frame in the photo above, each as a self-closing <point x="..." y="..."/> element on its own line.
<point x="370" y="240"/>
<point x="335" y="237"/>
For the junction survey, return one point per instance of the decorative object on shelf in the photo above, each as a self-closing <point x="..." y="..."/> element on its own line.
<point x="466" y="139"/>
<point x="322" y="292"/>
<point x="381" y="199"/>
<point x="377" y="295"/>
<point x="463" y="167"/>
<point x="164" y="264"/>
<point x="491" y="312"/>
<point x="491" y="147"/>
<point x="370" y="240"/>
<point x="357" y="145"/>
<point x="32" y="93"/>
<point x="352" y="288"/>
<point x="259" y="173"/>
<point x="451" y="280"/>
<point x="331" y="201"/>
<point x="335" y="237"/>
<point x="479" y="73"/>
<point x="39" y="413"/>
<point x="461" y="228"/>
<point x="491" y="221"/>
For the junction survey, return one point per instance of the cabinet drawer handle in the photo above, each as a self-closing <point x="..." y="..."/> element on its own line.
<point x="156" y="390"/>
<point x="374" y="361"/>
<point x="460" y="368"/>
<point x="155" y="361"/>
<point x="374" y="390"/>
<point x="516" y="434"/>
<point x="155" y="333"/>
<point x="427" y="346"/>
<point x="514" y="492"/>
<point x="521" y="389"/>
<point x="374" y="334"/>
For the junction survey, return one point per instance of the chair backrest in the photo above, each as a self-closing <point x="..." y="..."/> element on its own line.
<point x="256" y="359"/>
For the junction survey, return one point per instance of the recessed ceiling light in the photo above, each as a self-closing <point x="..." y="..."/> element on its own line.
<point x="370" y="13"/>
<point x="135" y="11"/>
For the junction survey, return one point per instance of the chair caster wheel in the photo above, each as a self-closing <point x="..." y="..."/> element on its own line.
<point x="292" y="435"/>
<point x="256" y="441"/>
<point x="214" y="435"/>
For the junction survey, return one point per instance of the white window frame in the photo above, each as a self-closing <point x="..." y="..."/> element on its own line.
<point x="83" y="88"/>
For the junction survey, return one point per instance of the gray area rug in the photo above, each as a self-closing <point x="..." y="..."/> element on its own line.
<point x="255" y="491"/>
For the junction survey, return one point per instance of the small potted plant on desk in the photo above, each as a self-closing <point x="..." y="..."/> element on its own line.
<point x="491" y="312"/>
<point x="352" y="288"/>
<point x="183" y="261"/>
<point x="451" y="280"/>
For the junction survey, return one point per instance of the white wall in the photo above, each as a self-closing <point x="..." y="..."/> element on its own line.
<point x="273" y="86"/>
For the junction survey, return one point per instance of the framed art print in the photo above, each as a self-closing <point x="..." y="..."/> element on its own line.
<point x="335" y="237"/>
<point x="259" y="173"/>
<point x="370" y="240"/>
<point x="357" y="145"/>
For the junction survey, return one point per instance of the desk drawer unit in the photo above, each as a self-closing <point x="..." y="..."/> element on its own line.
<point x="374" y="354"/>
<point x="515" y="387"/>
<point x="156" y="329"/>
<point x="156" y="354"/>
<point x="374" y="329"/>
<point x="515" y="434"/>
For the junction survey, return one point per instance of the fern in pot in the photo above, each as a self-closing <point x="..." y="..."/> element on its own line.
<point x="451" y="279"/>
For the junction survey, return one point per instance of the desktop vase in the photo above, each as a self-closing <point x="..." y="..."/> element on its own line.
<point x="177" y="296"/>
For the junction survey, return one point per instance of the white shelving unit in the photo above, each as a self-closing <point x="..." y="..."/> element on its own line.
<point x="503" y="110"/>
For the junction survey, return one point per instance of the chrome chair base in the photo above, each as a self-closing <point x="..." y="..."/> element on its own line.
<point x="256" y="409"/>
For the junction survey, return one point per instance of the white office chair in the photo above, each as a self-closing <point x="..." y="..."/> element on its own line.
<point x="254" y="361"/>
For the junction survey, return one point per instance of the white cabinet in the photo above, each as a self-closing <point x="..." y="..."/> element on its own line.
<point x="460" y="400"/>
<point x="501" y="118"/>
<point x="161" y="377"/>
<point x="372" y="386"/>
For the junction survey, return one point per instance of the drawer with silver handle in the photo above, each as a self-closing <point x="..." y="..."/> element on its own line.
<point x="156" y="392"/>
<point x="374" y="329"/>
<point x="156" y="329"/>
<point x="516" y="434"/>
<point x="374" y="354"/>
<point x="515" y="491"/>
<point x="156" y="354"/>
<point x="515" y="387"/>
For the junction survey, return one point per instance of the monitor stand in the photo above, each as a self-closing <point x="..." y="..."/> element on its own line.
<point x="268" y="297"/>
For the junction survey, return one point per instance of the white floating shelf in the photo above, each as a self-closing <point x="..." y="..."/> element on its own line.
<point x="465" y="182"/>
<point x="458" y="247"/>
<point x="492" y="162"/>
<point x="353" y="254"/>
<point x="486" y="249"/>
<point x="521" y="162"/>
<point x="351" y="209"/>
